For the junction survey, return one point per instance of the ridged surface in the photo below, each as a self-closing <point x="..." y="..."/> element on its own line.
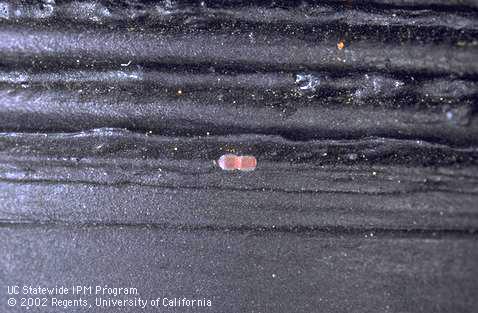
<point x="362" y="116"/>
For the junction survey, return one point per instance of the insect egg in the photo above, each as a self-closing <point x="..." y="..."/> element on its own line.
<point x="230" y="162"/>
<point x="247" y="163"/>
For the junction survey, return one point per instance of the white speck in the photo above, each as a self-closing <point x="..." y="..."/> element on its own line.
<point x="274" y="275"/>
<point x="398" y="84"/>
<point x="352" y="156"/>
<point x="252" y="38"/>
<point x="449" y="115"/>
<point x="126" y="64"/>
<point x="307" y="82"/>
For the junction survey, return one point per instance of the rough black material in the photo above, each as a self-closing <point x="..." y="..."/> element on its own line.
<point x="362" y="116"/>
<point x="250" y="271"/>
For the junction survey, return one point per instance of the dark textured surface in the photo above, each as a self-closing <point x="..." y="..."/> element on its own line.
<point x="252" y="271"/>
<point x="118" y="176"/>
<point x="362" y="116"/>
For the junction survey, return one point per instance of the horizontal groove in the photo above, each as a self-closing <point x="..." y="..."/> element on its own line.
<point x="19" y="44"/>
<point x="305" y="20"/>
<point x="365" y="4"/>
<point x="83" y="203"/>
<point x="330" y="187"/>
<point x="300" y="84"/>
<point x="332" y="230"/>
<point x="181" y="12"/>
<point x="120" y="143"/>
<point x="220" y="113"/>
<point x="436" y="4"/>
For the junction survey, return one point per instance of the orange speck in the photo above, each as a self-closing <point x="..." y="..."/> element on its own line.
<point x="341" y="45"/>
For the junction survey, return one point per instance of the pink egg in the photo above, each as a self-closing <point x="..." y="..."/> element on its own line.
<point x="230" y="162"/>
<point x="247" y="163"/>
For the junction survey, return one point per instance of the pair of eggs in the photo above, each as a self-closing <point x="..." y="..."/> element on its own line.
<point x="231" y="162"/>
